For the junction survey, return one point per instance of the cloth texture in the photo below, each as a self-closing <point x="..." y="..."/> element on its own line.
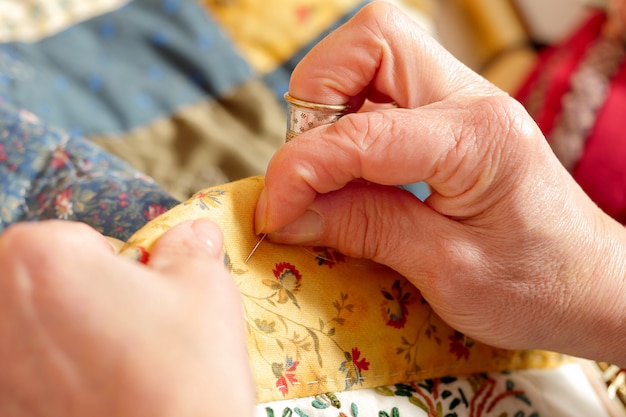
<point x="114" y="111"/>
<point x="188" y="92"/>
<point x="549" y="94"/>
<point x="45" y="173"/>
<point x="319" y="321"/>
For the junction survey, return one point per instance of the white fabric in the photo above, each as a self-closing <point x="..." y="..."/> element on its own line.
<point x="563" y="391"/>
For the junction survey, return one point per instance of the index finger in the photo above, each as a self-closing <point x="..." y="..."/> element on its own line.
<point x="380" y="52"/>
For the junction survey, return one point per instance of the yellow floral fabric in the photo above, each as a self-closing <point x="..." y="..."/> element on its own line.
<point x="320" y="322"/>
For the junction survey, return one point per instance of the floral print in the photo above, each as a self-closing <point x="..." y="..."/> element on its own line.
<point x="353" y="367"/>
<point x="482" y="395"/>
<point x="328" y="256"/>
<point x="394" y="307"/>
<point x="460" y="345"/>
<point x="313" y="316"/>
<point x="47" y="174"/>
<point x="285" y="374"/>
<point x="288" y="282"/>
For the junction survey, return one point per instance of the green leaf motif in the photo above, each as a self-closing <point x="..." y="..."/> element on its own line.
<point x="265" y="326"/>
<point x="386" y="391"/>
<point x="277" y="369"/>
<point x="416" y="401"/>
<point x="316" y="343"/>
<point x="455" y="403"/>
<point x="523" y="398"/>
<point x="387" y="295"/>
<point x="509" y="385"/>
<point x="292" y="298"/>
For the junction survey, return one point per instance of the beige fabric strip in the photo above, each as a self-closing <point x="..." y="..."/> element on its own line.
<point x="207" y="143"/>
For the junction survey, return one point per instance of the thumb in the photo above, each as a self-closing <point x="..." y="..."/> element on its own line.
<point x="189" y="249"/>
<point x="372" y="221"/>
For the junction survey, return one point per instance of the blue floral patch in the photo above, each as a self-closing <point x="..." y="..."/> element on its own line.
<point x="46" y="173"/>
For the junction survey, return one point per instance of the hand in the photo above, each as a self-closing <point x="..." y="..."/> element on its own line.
<point x="507" y="249"/>
<point x="84" y="332"/>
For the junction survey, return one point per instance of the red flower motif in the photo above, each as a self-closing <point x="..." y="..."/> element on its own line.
<point x="138" y="253"/>
<point x="394" y="307"/>
<point x="459" y="346"/>
<point x="59" y="158"/>
<point x="303" y="13"/>
<point x="328" y="257"/>
<point x="63" y="204"/>
<point x="154" y="211"/>
<point x="85" y="165"/>
<point x="361" y="364"/>
<point x="353" y="367"/>
<point x="285" y="374"/>
<point x="288" y="282"/>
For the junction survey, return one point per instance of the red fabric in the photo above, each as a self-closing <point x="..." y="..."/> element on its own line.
<point x="550" y="77"/>
<point x="601" y="171"/>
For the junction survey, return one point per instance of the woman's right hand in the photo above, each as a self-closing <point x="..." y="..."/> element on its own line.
<point x="507" y="249"/>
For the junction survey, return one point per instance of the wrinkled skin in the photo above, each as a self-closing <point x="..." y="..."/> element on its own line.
<point x="84" y="332"/>
<point x="507" y="249"/>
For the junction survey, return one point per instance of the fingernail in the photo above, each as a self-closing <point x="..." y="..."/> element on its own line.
<point x="260" y="213"/>
<point x="210" y="235"/>
<point x="309" y="228"/>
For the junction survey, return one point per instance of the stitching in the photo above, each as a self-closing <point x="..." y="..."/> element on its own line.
<point x="513" y="364"/>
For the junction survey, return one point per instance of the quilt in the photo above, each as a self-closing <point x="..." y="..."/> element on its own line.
<point x="113" y="112"/>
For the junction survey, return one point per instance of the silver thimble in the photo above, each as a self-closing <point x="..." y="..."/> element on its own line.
<point x="304" y="115"/>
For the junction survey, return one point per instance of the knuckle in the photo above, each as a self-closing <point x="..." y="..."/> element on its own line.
<point x="366" y="218"/>
<point x="497" y="115"/>
<point x="368" y="136"/>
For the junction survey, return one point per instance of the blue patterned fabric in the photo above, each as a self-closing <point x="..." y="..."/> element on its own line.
<point x="46" y="173"/>
<point x="122" y="69"/>
<point x="107" y="76"/>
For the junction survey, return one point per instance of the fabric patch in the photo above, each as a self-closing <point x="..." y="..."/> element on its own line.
<point x="123" y="69"/>
<point x="320" y="322"/>
<point x="31" y="20"/>
<point x="270" y="32"/>
<point x="277" y="77"/>
<point x="205" y="143"/>
<point x="48" y="174"/>
<point x="561" y="391"/>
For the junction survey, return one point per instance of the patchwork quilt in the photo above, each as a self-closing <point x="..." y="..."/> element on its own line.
<point x="186" y="93"/>
<point x="112" y="112"/>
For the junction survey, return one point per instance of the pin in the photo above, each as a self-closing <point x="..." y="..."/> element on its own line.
<point x="258" y="243"/>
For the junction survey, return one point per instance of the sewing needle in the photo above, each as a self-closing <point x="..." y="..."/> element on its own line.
<point x="305" y="115"/>
<point x="263" y="236"/>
